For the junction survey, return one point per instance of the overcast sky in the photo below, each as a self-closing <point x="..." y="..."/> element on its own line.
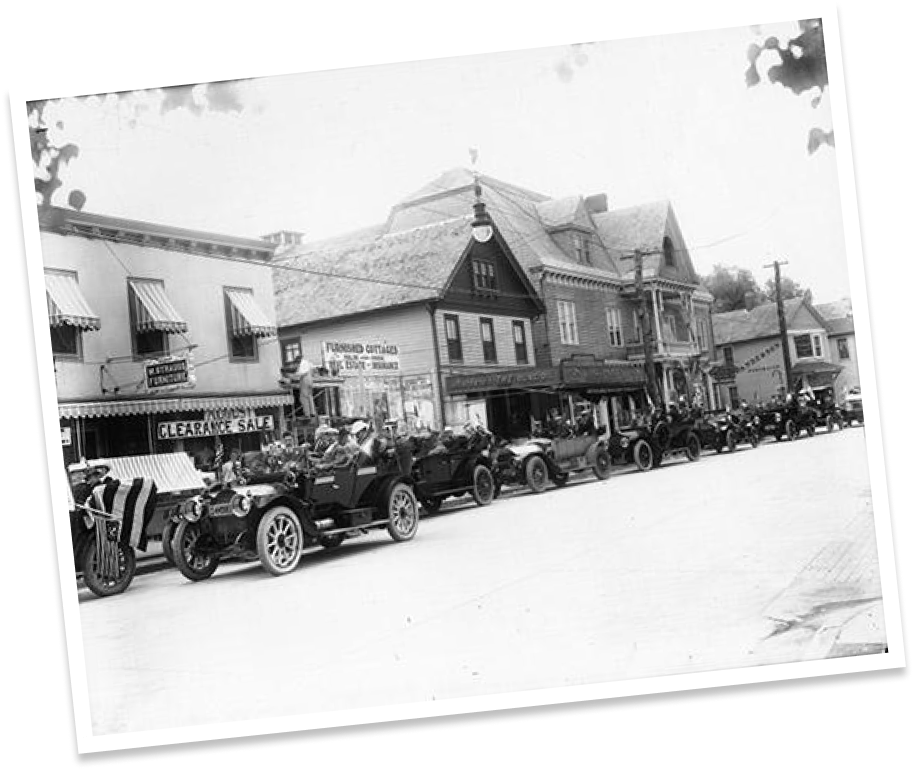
<point x="640" y="119"/>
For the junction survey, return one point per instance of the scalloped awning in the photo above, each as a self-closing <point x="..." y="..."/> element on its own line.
<point x="154" y="311"/>
<point x="248" y="319"/>
<point x="66" y="304"/>
<point x="122" y="408"/>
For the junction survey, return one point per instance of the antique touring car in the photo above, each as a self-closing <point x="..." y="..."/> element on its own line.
<point x="648" y="443"/>
<point x="274" y="518"/>
<point x="536" y="461"/>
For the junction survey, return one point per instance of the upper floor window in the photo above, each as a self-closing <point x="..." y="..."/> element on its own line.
<point x="484" y="276"/>
<point x="728" y="355"/>
<point x="487" y="333"/>
<point x="843" y="350"/>
<point x="291" y="351"/>
<point x="568" y="324"/>
<point x="452" y="335"/>
<point x="669" y="257"/>
<point x="636" y="326"/>
<point x="245" y="322"/>
<point x="152" y="317"/>
<point x="68" y="313"/>
<point x="702" y="334"/>
<point x="614" y="326"/>
<point x="520" y="342"/>
<point x="581" y="245"/>
<point x="808" y="345"/>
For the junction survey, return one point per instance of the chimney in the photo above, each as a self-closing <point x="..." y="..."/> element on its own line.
<point x="284" y="237"/>
<point x="596" y="204"/>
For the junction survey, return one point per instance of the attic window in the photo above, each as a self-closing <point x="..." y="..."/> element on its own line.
<point x="484" y="276"/>
<point x="581" y="248"/>
<point x="668" y="253"/>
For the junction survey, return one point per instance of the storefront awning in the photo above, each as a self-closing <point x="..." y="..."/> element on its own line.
<point x="119" y="408"/>
<point x="248" y="319"/>
<point x="66" y="304"/>
<point x="173" y="472"/>
<point x="154" y="311"/>
<point x="815" y="367"/>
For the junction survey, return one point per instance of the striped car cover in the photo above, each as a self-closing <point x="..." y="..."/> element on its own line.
<point x="130" y="504"/>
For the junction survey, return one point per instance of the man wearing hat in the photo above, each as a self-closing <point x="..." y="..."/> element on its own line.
<point x="342" y="451"/>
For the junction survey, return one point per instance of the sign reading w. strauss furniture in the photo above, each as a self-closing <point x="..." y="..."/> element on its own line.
<point x="168" y="373"/>
<point x="352" y="359"/>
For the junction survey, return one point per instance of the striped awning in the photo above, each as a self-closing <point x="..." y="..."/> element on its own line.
<point x="120" y="408"/>
<point x="66" y="304"/>
<point x="171" y="472"/>
<point x="154" y="311"/>
<point x="248" y="319"/>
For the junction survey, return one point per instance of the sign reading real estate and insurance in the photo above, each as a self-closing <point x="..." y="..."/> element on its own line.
<point x="353" y="359"/>
<point x="215" y="427"/>
<point x="167" y="373"/>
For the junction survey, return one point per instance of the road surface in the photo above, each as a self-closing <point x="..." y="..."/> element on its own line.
<point x="723" y="563"/>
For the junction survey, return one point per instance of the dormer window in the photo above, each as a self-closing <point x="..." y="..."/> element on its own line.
<point x="581" y="248"/>
<point x="484" y="276"/>
<point x="668" y="255"/>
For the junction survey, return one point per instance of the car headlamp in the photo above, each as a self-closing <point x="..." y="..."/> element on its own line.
<point x="241" y="505"/>
<point x="624" y="442"/>
<point x="194" y="510"/>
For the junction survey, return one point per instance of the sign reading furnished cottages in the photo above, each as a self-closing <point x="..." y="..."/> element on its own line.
<point x="350" y="359"/>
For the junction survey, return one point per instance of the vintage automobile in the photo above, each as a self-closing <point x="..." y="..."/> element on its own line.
<point x="733" y="428"/>
<point x="665" y="434"/>
<point x="534" y="462"/>
<point x="853" y="407"/>
<point x="829" y="414"/>
<point x="106" y="528"/>
<point x="787" y="419"/>
<point x="273" y="520"/>
<point x="454" y="464"/>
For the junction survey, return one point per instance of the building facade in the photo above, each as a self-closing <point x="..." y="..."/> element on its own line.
<point x="164" y="339"/>
<point x="842" y="341"/>
<point x="751" y="357"/>
<point x="543" y="313"/>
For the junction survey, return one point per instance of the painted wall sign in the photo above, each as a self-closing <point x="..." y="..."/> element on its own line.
<point x="469" y="383"/>
<point x="352" y="359"/>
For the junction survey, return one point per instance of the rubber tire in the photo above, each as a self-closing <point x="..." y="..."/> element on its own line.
<point x="753" y="438"/>
<point x="790" y="429"/>
<point x="181" y="562"/>
<point x="94" y="581"/>
<point x="810" y="430"/>
<point x="397" y="533"/>
<point x="168" y="533"/>
<point x="483" y="485"/>
<point x="537" y="474"/>
<point x="693" y="448"/>
<point x="263" y="529"/>
<point x="662" y="436"/>
<point x="602" y="464"/>
<point x="646" y="462"/>
<point x="731" y="441"/>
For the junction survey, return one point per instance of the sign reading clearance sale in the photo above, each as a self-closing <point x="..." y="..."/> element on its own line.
<point x="350" y="359"/>
<point x="193" y="428"/>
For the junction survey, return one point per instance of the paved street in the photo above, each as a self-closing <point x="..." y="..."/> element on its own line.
<point x="696" y="566"/>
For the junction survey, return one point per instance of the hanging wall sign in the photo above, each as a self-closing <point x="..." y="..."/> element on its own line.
<point x="353" y="359"/>
<point x="169" y="373"/>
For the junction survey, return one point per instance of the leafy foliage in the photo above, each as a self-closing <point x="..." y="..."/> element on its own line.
<point x="50" y="159"/>
<point x="733" y="288"/>
<point x="802" y="68"/>
<point x="790" y="289"/>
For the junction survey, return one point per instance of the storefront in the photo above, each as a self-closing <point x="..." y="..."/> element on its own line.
<point x="614" y="391"/>
<point x="506" y="401"/>
<point x="203" y="427"/>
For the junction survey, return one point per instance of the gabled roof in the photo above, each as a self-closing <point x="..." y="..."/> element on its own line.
<point x="758" y="323"/>
<point x="564" y="212"/>
<point x="839" y="316"/>
<point x="367" y="271"/>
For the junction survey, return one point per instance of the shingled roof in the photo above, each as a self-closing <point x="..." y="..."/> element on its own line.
<point x="368" y="270"/>
<point x="760" y="322"/>
<point x="839" y="316"/>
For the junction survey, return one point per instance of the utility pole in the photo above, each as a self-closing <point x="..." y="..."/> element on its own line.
<point x="647" y="332"/>
<point x="782" y="323"/>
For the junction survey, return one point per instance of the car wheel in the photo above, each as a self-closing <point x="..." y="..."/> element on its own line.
<point x="483" y="485"/>
<point x="753" y="438"/>
<point x="536" y="474"/>
<point x="168" y="533"/>
<point x="643" y="455"/>
<point x="693" y="448"/>
<point x="102" y="584"/>
<point x="810" y="430"/>
<point x="402" y="512"/>
<point x="791" y="430"/>
<point x="280" y="540"/>
<point x="602" y="464"/>
<point x="188" y="559"/>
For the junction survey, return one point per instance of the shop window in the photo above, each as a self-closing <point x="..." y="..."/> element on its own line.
<point x="614" y="326"/>
<point x="487" y="332"/>
<point x="568" y="324"/>
<point x="452" y="335"/>
<point x="484" y="276"/>
<point x="520" y="342"/>
<point x="843" y="350"/>
<point x="728" y="355"/>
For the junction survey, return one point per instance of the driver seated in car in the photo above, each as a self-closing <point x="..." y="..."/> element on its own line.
<point x="341" y="452"/>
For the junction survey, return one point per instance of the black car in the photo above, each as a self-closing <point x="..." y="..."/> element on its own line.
<point x="664" y="435"/>
<point x="732" y="428"/>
